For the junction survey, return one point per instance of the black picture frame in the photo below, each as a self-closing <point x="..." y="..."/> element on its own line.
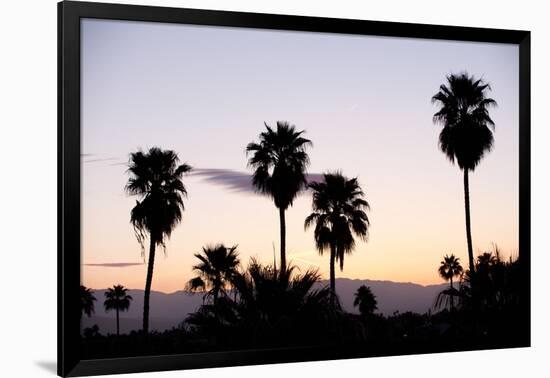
<point x="69" y="15"/>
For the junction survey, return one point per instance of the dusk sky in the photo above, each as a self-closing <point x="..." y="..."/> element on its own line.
<point x="205" y="92"/>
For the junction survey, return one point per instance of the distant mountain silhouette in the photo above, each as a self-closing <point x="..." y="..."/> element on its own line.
<point x="169" y="310"/>
<point x="391" y="296"/>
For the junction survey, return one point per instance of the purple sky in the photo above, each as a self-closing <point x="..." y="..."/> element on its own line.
<point x="205" y="92"/>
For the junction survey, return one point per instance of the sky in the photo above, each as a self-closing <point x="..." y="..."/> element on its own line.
<point x="364" y="101"/>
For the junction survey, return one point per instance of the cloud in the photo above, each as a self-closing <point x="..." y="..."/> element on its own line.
<point x="99" y="160"/>
<point x="300" y="257"/>
<point x="314" y="177"/>
<point x="236" y="181"/>
<point x="233" y="180"/>
<point x="114" y="265"/>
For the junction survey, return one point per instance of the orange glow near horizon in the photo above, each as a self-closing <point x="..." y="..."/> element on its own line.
<point x="400" y="256"/>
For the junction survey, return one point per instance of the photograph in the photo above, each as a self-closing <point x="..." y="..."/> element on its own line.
<point x="249" y="188"/>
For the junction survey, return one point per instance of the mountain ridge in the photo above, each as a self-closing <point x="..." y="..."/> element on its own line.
<point x="170" y="309"/>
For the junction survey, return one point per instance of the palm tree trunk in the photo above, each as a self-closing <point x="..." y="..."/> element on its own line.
<point x="468" y="227"/>
<point x="215" y="302"/>
<point x="215" y="297"/>
<point x="332" y="274"/>
<point x="117" y="324"/>
<point x="452" y="295"/>
<point x="283" y="239"/>
<point x="148" y="282"/>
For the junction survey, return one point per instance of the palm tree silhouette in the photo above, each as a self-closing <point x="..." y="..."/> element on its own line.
<point x="116" y="298"/>
<point x="273" y="305"/>
<point x="339" y="211"/>
<point x="493" y="286"/>
<point x="365" y="300"/>
<point x="274" y="297"/>
<point x="450" y="267"/>
<point x="487" y="259"/>
<point x="216" y="269"/>
<point x="279" y="161"/>
<point x="155" y="177"/>
<point x="87" y="299"/>
<point x="467" y="132"/>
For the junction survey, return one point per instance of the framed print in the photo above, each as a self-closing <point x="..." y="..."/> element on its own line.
<point x="239" y="188"/>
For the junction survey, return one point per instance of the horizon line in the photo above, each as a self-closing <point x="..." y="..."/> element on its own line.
<point x="324" y="279"/>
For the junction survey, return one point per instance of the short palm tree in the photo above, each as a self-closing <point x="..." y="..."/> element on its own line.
<point x="271" y="296"/>
<point x="339" y="212"/>
<point x="116" y="298"/>
<point x="87" y="299"/>
<point x="467" y="132"/>
<point x="448" y="269"/>
<point x="365" y="300"/>
<point x="274" y="307"/>
<point x="156" y="179"/>
<point x="279" y="161"/>
<point x="216" y="268"/>
<point x="487" y="259"/>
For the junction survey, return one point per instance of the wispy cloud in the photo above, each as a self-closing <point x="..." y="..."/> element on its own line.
<point x="299" y="256"/>
<point x="233" y="180"/>
<point x="314" y="177"/>
<point x="99" y="160"/>
<point x="114" y="265"/>
<point x="236" y="181"/>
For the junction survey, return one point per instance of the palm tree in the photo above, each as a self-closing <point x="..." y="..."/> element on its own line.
<point x="365" y="300"/>
<point x="482" y="282"/>
<point x="450" y="267"/>
<point x="493" y="285"/>
<point x="216" y="269"/>
<point x="275" y="307"/>
<point x="116" y="298"/>
<point x="156" y="178"/>
<point x="487" y="259"/>
<point x="279" y="161"/>
<point x="87" y="299"/>
<point x="339" y="212"/>
<point x="467" y="132"/>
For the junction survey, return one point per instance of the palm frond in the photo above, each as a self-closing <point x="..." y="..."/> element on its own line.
<point x="116" y="298"/>
<point x="279" y="160"/>
<point x="339" y="213"/>
<point x="467" y="133"/>
<point x="156" y="179"/>
<point x="87" y="300"/>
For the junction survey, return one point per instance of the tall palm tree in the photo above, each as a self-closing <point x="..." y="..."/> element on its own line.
<point x="87" y="299"/>
<point x="156" y="179"/>
<point x="279" y="161"/>
<point x="365" y="300"/>
<point x="467" y="132"/>
<point x="339" y="212"/>
<point x="448" y="269"/>
<point x="215" y="271"/>
<point x="116" y="298"/>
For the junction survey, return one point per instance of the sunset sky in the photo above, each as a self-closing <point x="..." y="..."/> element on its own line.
<point x="205" y="93"/>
